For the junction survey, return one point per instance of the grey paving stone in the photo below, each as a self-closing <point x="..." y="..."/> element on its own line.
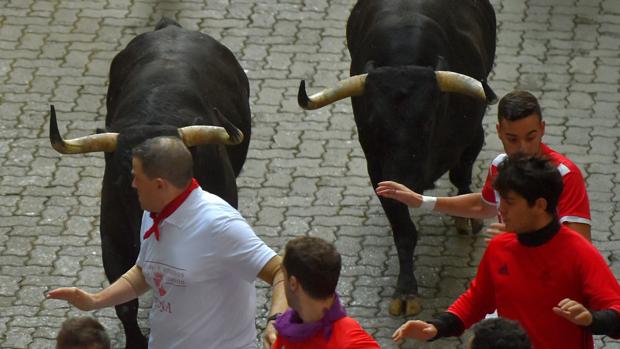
<point x="305" y="173"/>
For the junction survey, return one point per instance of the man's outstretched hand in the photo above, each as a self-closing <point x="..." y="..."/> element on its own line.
<point x="399" y="192"/>
<point x="573" y="312"/>
<point x="415" y="329"/>
<point x="75" y="296"/>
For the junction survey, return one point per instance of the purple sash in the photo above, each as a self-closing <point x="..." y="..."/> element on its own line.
<point x="290" y="326"/>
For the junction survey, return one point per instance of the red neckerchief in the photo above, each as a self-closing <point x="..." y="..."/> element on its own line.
<point x="169" y="209"/>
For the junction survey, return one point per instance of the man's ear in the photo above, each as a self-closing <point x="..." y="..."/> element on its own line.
<point x="160" y="182"/>
<point x="541" y="203"/>
<point x="293" y="283"/>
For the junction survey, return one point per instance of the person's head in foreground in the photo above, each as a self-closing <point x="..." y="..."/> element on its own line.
<point x="498" y="333"/>
<point x="82" y="333"/>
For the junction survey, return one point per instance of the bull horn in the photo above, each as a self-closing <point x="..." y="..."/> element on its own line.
<point x="94" y="143"/>
<point x="197" y="135"/>
<point x="454" y="82"/>
<point x="353" y="86"/>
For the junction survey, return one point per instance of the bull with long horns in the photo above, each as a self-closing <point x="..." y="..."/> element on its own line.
<point x="419" y="92"/>
<point x="168" y="82"/>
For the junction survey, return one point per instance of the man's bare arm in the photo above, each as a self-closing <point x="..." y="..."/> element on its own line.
<point x="128" y="287"/>
<point x="273" y="275"/>
<point x="466" y="205"/>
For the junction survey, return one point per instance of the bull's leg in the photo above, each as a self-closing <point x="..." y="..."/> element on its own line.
<point x="128" y="314"/>
<point x="115" y="265"/>
<point x="460" y="177"/>
<point x="405" y="298"/>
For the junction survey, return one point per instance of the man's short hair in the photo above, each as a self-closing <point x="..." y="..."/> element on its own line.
<point x="531" y="177"/>
<point x="82" y="332"/>
<point x="499" y="333"/>
<point x="517" y="105"/>
<point x="165" y="157"/>
<point x="315" y="263"/>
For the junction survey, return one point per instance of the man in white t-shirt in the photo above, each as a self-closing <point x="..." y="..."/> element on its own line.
<point x="198" y="255"/>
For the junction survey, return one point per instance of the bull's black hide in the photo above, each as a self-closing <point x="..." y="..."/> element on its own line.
<point x="412" y="131"/>
<point x="163" y="80"/>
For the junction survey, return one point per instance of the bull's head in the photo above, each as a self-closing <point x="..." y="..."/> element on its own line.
<point x="402" y="119"/>
<point x="354" y="86"/>
<point x="106" y="142"/>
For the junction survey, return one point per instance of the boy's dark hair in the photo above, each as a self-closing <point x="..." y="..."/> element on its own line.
<point x="517" y="105"/>
<point x="82" y="332"/>
<point x="165" y="157"/>
<point x="532" y="178"/>
<point x="499" y="333"/>
<point x="315" y="263"/>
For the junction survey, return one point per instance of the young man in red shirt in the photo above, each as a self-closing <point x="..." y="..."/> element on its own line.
<point x="316" y="319"/>
<point x="541" y="274"/>
<point x="520" y="128"/>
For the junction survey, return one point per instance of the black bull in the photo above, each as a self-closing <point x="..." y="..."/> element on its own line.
<point x="416" y="118"/>
<point x="161" y="82"/>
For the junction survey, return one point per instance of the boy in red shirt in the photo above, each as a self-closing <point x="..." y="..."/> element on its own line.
<point x="541" y="274"/>
<point x="316" y="319"/>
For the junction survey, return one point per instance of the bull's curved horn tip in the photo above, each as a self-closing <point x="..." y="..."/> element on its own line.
<point x="54" y="135"/>
<point x="238" y="137"/>
<point x="52" y="113"/>
<point x="302" y="96"/>
<point x="235" y="135"/>
<point x="54" y="132"/>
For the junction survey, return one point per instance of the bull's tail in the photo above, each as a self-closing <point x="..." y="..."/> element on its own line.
<point x="165" y="21"/>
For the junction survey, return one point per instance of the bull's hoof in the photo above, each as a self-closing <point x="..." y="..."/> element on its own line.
<point x="467" y="226"/>
<point x="462" y="225"/>
<point x="396" y="307"/>
<point x="476" y="225"/>
<point x="413" y="306"/>
<point x="408" y="306"/>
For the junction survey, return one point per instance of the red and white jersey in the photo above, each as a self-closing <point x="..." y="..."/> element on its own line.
<point x="573" y="206"/>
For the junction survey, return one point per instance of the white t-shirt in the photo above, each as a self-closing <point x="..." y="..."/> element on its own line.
<point x="202" y="272"/>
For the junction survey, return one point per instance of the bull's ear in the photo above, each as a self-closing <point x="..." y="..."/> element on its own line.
<point x="441" y="64"/>
<point x="369" y="66"/>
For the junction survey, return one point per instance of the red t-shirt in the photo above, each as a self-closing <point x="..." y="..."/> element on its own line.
<point x="525" y="283"/>
<point x="573" y="206"/>
<point x="346" y="334"/>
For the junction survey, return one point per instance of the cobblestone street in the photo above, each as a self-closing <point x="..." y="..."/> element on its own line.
<point x="305" y="173"/>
